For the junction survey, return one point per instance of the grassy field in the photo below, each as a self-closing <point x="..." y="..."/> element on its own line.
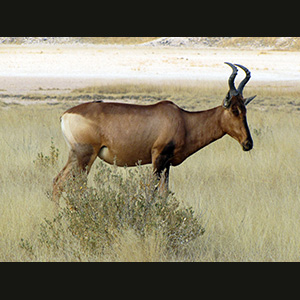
<point x="248" y="203"/>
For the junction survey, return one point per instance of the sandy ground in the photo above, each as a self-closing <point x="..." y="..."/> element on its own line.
<point x="59" y="68"/>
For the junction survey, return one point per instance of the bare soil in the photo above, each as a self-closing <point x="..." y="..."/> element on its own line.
<point x="58" y="68"/>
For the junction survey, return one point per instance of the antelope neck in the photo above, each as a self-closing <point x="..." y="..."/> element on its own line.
<point x="203" y="128"/>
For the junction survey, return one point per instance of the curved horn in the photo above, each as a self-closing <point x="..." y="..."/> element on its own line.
<point x="246" y="79"/>
<point x="233" y="91"/>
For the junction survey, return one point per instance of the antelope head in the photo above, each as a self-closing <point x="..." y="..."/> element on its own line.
<point x="235" y="121"/>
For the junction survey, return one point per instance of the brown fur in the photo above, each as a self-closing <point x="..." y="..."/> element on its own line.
<point x="162" y="134"/>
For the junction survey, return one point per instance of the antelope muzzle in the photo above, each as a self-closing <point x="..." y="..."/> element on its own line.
<point x="248" y="144"/>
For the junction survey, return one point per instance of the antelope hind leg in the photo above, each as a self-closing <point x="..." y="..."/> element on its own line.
<point x="80" y="161"/>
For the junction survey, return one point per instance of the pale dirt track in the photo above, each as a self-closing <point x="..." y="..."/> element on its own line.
<point x="60" y="68"/>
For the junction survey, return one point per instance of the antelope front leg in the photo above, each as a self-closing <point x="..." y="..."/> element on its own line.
<point x="161" y="166"/>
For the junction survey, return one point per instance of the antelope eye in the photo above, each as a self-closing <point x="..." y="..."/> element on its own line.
<point x="236" y="112"/>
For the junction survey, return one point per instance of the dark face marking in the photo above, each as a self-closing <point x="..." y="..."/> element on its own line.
<point x="237" y="126"/>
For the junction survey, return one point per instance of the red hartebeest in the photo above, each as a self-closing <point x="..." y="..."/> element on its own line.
<point x="162" y="134"/>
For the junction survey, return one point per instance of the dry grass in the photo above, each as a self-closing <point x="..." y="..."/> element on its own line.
<point x="194" y="94"/>
<point x="292" y="43"/>
<point x="248" y="202"/>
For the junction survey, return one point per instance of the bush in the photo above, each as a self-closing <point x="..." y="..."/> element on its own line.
<point x="121" y="201"/>
<point x="50" y="160"/>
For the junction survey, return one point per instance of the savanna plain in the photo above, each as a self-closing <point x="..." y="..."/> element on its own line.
<point x="248" y="203"/>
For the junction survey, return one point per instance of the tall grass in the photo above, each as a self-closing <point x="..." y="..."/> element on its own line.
<point x="248" y="202"/>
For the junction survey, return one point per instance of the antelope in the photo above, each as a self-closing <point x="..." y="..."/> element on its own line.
<point x="162" y="134"/>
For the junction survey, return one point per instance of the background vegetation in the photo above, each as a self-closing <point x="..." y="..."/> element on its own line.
<point x="248" y="203"/>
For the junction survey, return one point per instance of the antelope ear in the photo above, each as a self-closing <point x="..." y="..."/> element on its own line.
<point x="248" y="100"/>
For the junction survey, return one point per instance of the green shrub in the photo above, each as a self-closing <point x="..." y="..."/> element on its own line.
<point x="122" y="200"/>
<point x="50" y="160"/>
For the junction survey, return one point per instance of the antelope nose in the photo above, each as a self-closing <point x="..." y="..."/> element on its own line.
<point x="248" y="145"/>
